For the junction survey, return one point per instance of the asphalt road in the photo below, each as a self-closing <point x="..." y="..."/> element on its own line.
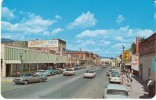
<point x="60" y="86"/>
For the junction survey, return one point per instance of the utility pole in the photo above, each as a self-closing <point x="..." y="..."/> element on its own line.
<point x="122" y="57"/>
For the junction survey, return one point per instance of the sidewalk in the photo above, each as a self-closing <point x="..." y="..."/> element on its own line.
<point x="7" y="79"/>
<point x="138" y="88"/>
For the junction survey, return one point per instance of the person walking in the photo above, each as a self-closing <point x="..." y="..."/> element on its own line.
<point x="149" y="86"/>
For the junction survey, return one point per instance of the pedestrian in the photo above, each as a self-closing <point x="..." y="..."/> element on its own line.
<point x="149" y="86"/>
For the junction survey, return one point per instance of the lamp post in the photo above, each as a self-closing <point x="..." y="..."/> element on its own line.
<point x="123" y="56"/>
<point x="21" y="67"/>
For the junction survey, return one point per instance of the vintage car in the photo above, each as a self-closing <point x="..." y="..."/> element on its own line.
<point x="89" y="74"/>
<point x="29" y="78"/>
<point x="115" y="77"/>
<point x="116" y="91"/>
<point x="43" y="72"/>
<point x="69" y="71"/>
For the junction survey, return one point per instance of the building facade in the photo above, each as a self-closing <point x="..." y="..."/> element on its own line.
<point x="55" y="46"/>
<point x="147" y="58"/>
<point x="82" y="58"/>
<point x="17" y="59"/>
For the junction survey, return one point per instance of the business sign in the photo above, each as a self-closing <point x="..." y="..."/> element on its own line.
<point x="43" y="43"/>
<point x="137" y="45"/>
<point x="135" y="62"/>
<point x="126" y="55"/>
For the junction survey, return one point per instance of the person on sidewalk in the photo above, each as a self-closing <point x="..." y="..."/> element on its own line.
<point x="149" y="86"/>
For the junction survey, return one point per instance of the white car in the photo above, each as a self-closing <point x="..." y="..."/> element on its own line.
<point x="89" y="74"/>
<point x="116" y="91"/>
<point x="69" y="71"/>
<point x="112" y="70"/>
<point x="115" y="77"/>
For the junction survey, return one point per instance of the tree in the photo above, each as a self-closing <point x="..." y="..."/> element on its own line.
<point x="133" y="45"/>
<point x="133" y="48"/>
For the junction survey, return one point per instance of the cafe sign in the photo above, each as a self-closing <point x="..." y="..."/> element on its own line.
<point x="43" y="43"/>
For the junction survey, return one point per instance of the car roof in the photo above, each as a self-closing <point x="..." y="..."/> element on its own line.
<point x="116" y="87"/>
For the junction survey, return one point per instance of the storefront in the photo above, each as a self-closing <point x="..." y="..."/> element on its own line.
<point x="17" y="60"/>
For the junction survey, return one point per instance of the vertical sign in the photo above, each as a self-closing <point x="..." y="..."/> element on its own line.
<point x="135" y="62"/>
<point x="126" y="55"/>
<point x="137" y="45"/>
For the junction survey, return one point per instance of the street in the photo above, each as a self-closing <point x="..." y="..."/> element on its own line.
<point x="60" y="86"/>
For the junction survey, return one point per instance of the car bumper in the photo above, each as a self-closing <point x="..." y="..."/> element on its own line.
<point x="18" y="81"/>
<point x="88" y="76"/>
<point x="66" y="74"/>
<point x="115" y="81"/>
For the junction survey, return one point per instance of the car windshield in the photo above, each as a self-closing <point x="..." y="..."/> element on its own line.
<point x="89" y="71"/>
<point x="117" y="92"/>
<point x="26" y="75"/>
<point x="115" y="74"/>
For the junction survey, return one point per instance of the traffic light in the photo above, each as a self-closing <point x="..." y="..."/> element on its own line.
<point x="126" y="55"/>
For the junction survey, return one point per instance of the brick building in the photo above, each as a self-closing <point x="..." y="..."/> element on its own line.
<point x="81" y="58"/>
<point x="147" y="58"/>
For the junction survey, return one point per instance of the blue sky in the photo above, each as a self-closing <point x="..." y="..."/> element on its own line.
<point x="99" y="26"/>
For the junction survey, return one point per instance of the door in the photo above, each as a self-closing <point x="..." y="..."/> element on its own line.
<point x="8" y="70"/>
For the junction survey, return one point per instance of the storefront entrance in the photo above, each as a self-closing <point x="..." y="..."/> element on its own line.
<point x="8" y="70"/>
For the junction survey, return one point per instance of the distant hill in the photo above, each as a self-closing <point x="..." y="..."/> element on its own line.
<point x="4" y="40"/>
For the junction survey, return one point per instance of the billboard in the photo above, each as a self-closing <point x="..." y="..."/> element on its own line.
<point x="135" y="62"/>
<point x="43" y="43"/>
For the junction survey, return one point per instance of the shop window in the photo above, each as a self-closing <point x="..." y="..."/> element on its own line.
<point x="26" y="67"/>
<point x="33" y="67"/>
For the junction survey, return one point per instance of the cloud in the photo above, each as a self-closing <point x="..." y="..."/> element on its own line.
<point x="144" y="33"/>
<point x="58" y="17"/>
<point x="57" y="30"/>
<point x="125" y="32"/>
<point x="94" y="33"/>
<point x="120" y="19"/>
<point x="107" y="51"/>
<point x="119" y="38"/>
<point x="34" y="24"/>
<point x="110" y="39"/>
<point x="104" y="42"/>
<point x="83" y="21"/>
<point x="7" y="13"/>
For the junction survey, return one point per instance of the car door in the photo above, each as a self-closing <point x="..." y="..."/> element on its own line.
<point x="35" y="78"/>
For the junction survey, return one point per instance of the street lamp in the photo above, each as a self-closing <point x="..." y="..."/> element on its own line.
<point x="21" y="67"/>
<point x="123" y="56"/>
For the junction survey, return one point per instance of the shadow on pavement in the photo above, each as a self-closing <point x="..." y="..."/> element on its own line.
<point x="143" y="83"/>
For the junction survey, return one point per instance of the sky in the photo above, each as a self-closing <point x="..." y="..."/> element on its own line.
<point x="98" y="26"/>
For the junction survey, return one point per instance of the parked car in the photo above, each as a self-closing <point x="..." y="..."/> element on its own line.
<point x="58" y="70"/>
<point x="29" y="78"/>
<point x="51" y="71"/>
<point x="42" y="73"/>
<point x="115" y="77"/>
<point x="116" y="91"/>
<point x="89" y="74"/>
<point x="112" y="70"/>
<point x="69" y="71"/>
